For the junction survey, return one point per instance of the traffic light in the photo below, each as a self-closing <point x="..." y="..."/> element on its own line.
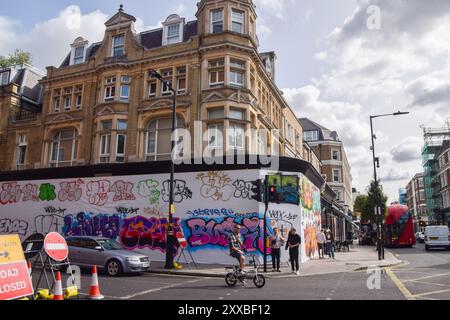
<point x="273" y="196"/>
<point x="257" y="190"/>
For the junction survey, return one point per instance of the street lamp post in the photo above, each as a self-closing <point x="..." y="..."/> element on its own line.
<point x="376" y="162"/>
<point x="170" y="238"/>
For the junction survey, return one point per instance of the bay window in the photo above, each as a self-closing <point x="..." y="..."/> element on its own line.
<point x="216" y="73"/>
<point x="236" y="137"/>
<point x="158" y="134"/>
<point x="217" y="21"/>
<point x="63" y="148"/>
<point x="237" y="20"/>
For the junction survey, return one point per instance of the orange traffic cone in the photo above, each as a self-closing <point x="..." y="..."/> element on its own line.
<point x="94" y="290"/>
<point x="58" y="293"/>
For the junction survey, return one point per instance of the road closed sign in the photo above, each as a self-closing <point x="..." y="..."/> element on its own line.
<point x="15" y="281"/>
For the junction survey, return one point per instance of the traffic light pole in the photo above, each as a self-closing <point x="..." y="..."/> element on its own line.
<point x="266" y="204"/>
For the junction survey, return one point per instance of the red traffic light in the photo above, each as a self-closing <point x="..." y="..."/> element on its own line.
<point x="272" y="189"/>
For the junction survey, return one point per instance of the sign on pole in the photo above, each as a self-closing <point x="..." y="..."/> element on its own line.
<point x="56" y="247"/>
<point x="15" y="281"/>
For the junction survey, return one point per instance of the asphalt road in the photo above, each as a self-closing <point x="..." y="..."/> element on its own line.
<point x="338" y="286"/>
<point x="426" y="276"/>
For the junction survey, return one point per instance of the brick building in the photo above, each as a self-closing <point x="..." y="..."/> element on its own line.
<point x="102" y="106"/>
<point x="331" y="153"/>
<point x="442" y="180"/>
<point x="416" y="198"/>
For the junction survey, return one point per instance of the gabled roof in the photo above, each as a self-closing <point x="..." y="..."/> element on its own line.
<point x="119" y="17"/>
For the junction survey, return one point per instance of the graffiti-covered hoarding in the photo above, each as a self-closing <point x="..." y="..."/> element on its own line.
<point x="133" y="210"/>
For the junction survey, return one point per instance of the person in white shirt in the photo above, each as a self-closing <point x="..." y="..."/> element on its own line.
<point x="321" y="240"/>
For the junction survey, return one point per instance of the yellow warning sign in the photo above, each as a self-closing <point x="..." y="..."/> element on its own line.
<point x="10" y="249"/>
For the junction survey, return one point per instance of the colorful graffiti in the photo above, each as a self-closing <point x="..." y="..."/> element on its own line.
<point x="307" y="194"/>
<point x="206" y="232"/>
<point x="311" y="246"/>
<point x="210" y="212"/>
<point x="13" y="226"/>
<point x="97" y="192"/>
<point x="88" y="224"/>
<point x="286" y="188"/>
<point x="215" y="185"/>
<point x="141" y="232"/>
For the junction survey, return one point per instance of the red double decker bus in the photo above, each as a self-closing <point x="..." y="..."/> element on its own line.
<point x="399" y="227"/>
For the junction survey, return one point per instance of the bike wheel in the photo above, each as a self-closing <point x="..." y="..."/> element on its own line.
<point x="259" y="280"/>
<point x="230" y="279"/>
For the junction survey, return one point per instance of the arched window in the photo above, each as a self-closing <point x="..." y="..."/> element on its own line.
<point x="158" y="138"/>
<point x="63" y="148"/>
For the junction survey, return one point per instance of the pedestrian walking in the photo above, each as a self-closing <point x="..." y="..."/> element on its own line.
<point x="330" y="242"/>
<point x="293" y="243"/>
<point x="321" y="240"/>
<point x="276" y="242"/>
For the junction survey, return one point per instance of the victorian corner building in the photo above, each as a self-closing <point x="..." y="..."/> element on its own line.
<point x="101" y="106"/>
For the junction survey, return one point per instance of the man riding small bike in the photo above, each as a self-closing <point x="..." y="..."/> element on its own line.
<point x="235" y="243"/>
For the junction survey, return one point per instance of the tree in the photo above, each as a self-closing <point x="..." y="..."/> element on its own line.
<point x="361" y="204"/>
<point x="18" y="58"/>
<point x="375" y="198"/>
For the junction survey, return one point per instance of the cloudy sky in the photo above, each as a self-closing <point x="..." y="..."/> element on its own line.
<point x="337" y="63"/>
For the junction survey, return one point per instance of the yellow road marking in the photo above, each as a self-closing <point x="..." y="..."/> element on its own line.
<point x="400" y="285"/>
<point x="428" y="277"/>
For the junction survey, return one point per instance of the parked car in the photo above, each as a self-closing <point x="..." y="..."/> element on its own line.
<point x="107" y="254"/>
<point x="437" y="236"/>
<point x="420" y="236"/>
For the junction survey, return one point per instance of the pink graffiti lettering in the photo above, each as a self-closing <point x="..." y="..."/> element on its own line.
<point x="122" y="191"/>
<point x="70" y="191"/>
<point x="203" y="232"/>
<point x="30" y="192"/>
<point x="10" y="193"/>
<point x="97" y="192"/>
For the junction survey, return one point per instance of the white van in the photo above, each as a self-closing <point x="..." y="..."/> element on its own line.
<point x="437" y="236"/>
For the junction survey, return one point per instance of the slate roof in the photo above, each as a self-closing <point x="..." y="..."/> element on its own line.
<point x="148" y="39"/>
<point x="324" y="133"/>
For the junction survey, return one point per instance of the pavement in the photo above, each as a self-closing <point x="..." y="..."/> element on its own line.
<point x="359" y="258"/>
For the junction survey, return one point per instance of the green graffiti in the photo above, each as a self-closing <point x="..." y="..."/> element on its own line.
<point x="47" y="192"/>
<point x="149" y="188"/>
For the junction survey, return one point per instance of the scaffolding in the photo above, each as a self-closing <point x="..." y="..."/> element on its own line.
<point x="433" y="139"/>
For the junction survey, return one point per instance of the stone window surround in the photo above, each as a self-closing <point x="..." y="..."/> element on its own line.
<point x="114" y="132"/>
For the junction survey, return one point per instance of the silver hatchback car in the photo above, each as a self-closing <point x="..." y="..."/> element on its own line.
<point x="106" y="254"/>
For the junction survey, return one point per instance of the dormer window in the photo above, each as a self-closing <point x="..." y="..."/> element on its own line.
<point x="173" y="33"/>
<point x="118" y="46"/>
<point x="4" y="78"/>
<point x="79" y="55"/>
<point x="237" y="20"/>
<point x="216" y="21"/>
<point x="173" y="29"/>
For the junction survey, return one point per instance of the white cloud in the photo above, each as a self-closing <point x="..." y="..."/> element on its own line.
<point x="49" y="41"/>
<point x="275" y="7"/>
<point x="409" y="149"/>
